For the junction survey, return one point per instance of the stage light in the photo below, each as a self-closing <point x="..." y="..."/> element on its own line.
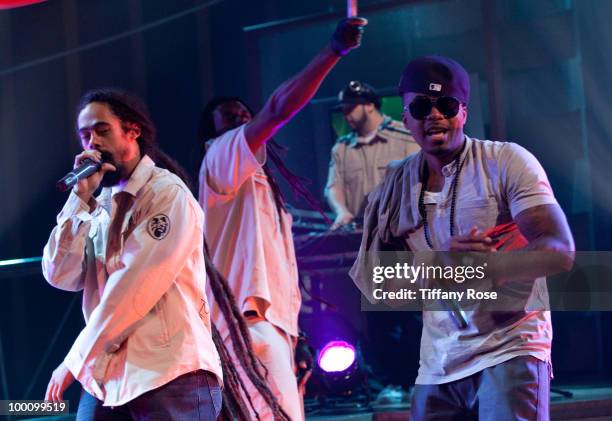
<point x="11" y="4"/>
<point x="336" y="356"/>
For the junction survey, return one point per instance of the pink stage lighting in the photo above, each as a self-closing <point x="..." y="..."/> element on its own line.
<point x="336" y="356"/>
<point x="11" y="4"/>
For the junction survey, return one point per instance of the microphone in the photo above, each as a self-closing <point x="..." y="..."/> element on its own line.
<point x="457" y="314"/>
<point x="88" y="167"/>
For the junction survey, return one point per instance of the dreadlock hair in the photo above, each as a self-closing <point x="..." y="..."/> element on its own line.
<point x="207" y="131"/>
<point x="131" y="110"/>
<point x="234" y="406"/>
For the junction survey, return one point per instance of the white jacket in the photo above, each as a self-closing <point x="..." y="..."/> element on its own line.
<point x="143" y="281"/>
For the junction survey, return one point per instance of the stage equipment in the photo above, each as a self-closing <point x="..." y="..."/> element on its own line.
<point x="336" y="357"/>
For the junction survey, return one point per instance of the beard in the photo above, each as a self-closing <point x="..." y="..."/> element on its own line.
<point x="359" y="124"/>
<point x="112" y="178"/>
<point x="448" y="148"/>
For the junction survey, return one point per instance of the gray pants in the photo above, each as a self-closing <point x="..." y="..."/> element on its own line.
<point x="518" y="389"/>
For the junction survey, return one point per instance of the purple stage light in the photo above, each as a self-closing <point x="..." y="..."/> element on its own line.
<point x="336" y="356"/>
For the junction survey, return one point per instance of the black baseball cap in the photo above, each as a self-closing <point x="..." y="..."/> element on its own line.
<point x="357" y="92"/>
<point x="436" y="76"/>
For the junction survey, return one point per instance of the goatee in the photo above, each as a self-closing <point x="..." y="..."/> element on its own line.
<point x="112" y="178"/>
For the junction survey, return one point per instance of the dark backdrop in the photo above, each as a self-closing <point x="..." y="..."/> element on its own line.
<point x="540" y="72"/>
<point x="539" y="69"/>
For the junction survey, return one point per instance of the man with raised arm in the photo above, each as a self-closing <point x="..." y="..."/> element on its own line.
<point x="248" y="227"/>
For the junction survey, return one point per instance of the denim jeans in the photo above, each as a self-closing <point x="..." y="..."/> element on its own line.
<point x="515" y="390"/>
<point x="194" y="396"/>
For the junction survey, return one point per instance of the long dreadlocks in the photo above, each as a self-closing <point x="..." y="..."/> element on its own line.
<point x="130" y="109"/>
<point x="243" y="349"/>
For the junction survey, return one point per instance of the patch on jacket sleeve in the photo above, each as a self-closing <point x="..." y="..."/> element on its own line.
<point x="159" y="226"/>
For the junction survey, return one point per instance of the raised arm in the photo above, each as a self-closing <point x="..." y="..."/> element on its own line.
<point x="292" y="95"/>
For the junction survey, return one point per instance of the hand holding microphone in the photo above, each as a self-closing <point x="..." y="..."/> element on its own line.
<point x="87" y="174"/>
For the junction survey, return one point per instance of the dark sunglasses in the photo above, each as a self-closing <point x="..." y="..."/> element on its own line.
<point x="421" y="106"/>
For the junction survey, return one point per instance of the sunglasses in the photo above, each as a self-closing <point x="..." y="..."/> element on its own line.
<point x="421" y="106"/>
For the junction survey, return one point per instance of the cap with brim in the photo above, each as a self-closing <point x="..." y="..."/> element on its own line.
<point x="436" y="76"/>
<point x="357" y="93"/>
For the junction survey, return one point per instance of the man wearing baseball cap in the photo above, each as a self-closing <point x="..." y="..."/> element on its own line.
<point x="461" y="194"/>
<point x="360" y="158"/>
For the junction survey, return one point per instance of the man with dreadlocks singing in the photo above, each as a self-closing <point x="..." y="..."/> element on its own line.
<point x="248" y="227"/>
<point x="136" y="251"/>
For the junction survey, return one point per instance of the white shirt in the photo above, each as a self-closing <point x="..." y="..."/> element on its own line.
<point x="498" y="180"/>
<point x="250" y="245"/>
<point x="143" y="280"/>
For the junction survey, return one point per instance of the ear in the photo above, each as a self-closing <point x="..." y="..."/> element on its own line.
<point x="464" y="113"/>
<point x="133" y="131"/>
<point x="405" y="118"/>
<point x="369" y="108"/>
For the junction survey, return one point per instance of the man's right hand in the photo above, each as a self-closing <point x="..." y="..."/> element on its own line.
<point x="342" y="219"/>
<point x="87" y="186"/>
<point x="348" y="35"/>
<point x="60" y="380"/>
